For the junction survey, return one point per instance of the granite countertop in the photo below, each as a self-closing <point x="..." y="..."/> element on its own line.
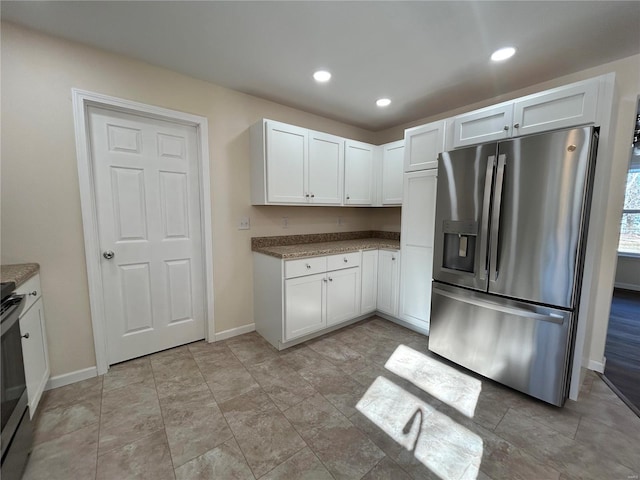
<point x="19" y="272"/>
<point x="303" y="250"/>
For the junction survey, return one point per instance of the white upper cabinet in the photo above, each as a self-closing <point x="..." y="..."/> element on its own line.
<point x="423" y="144"/>
<point x="391" y="170"/>
<point x="326" y="168"/>
<point x="558" y="108"/>
<point x="295" y="166"/>
<point x="287" y="148"/>
<point x="485" y="125"/>
<point x="358" y="173"/>
<point x="562" y="107"/>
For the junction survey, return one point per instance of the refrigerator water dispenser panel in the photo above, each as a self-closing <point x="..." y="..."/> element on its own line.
<point x="459" y="245"/>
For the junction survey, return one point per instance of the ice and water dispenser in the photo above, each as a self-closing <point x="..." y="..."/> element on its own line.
<point x="459" y="245"/>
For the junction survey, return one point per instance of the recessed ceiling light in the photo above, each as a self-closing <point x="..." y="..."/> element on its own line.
<point x="383" y="102"/>
<point x="503" y="54"/>
<point x="322" y="76"/>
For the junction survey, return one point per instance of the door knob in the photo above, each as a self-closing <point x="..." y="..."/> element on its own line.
<point x="108" y="254"/>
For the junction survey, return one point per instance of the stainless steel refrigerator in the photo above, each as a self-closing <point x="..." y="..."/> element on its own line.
<point x="510" y="235"/>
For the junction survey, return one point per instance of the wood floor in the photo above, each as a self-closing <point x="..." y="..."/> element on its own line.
<point x="622" y="349"/>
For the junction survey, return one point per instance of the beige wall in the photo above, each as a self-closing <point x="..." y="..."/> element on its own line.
<point x="628" y="273"/>
<point x="41" y="220"/>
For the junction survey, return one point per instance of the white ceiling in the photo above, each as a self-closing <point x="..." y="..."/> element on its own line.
<point x="428" y="57"/>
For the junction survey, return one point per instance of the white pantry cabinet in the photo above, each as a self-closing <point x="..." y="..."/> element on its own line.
<point x="390" y="178"/>
<point x="294" y="166"/>
<point x="359" y="162"/>
<point x="34" y="342"/>
<point x="562" y="107"/>
<point x="388" y="281"/>
<point x="416" y="245"/>
<point x="423" y="144"/>
<point x="369" y="276"/>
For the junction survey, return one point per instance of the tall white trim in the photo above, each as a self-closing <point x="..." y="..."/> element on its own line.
<point x="81" y="101"/>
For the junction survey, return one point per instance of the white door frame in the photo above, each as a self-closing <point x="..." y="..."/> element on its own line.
<point x="81" y="101"/>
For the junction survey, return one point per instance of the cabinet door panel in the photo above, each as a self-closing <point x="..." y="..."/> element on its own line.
<point x="358" y="173"/>
<point x="286" y="163"/>
<point x="484" y="125"/>
<point x="34" y="349"/>
<point x="304" y="305"/>
<point x="559" y="108"/>
<point x="388" y="270"/>
<point x="423" y="144"/>
<point x="392" y="167"/>
<point x="343" y="295"/>
<point x="369" y="278"/>
<point x="418" y="223"/>
<point x="326" y="168"/>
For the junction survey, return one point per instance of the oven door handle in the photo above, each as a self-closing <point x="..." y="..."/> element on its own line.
<point x="13" y="312"/>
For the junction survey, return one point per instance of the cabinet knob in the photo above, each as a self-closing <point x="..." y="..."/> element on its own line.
<point x="348" y="197"/>
<point x="345" y="260"/>
<point x="308" y="266"/>
<point x="324" y="280"/>
<point x="330" y="279"/>
<point x="312" y="195"/>
<point x="506" y="128"/>
<point x="34" y="293"/>
<point x="517" y="125"/>
<point x="307" y="195"/>
<point x="26" y="335"/>
<point x="393" y="258"/>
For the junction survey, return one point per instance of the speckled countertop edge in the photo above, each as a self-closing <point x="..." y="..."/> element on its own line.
<point x="18" y="272"/>
<point x="282" y="240"/>
<point x="304" y="250"/>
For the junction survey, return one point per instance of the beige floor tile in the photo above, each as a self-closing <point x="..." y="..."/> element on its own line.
<point x="313" y="414"/>
<point x="70" y="394"/>
<point x="386" y="469"/>
<point x="70" y="457"/>
<point x="304" y="465"/>
<point x="223" y="462"/>
<point x="145" y="459"/>
<point x="251" y="348"/>
<point x="194" y="427"/>
<point x="609" y="443"/>
<point x="227" y="383"/>
<point x="345" y="450"/>
<point x="285" y="387"/>
<point x="339" y="354"/>
<point x="126" y="373"/>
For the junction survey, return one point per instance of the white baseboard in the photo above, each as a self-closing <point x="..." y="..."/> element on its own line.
<point x="627" y="286"/>
<point x="234" y="332"/>
<point x="597" y="366"/>
<point x="71" y="377"/>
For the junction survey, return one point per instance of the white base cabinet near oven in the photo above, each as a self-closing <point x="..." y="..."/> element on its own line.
<point x="34" y="342"/>
<point x="388" y="281"/>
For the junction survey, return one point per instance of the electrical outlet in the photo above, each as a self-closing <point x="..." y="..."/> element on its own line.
<point x="243" y="224"/>
<point x="285" y="222"/>
<point x="340" y="221"/>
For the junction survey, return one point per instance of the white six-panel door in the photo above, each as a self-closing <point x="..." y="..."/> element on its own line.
<point x="148" y="206"/>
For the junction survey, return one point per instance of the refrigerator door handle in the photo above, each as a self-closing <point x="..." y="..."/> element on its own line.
<point x="552" y="317"/>
<point x="495" y="218"/>
<point x="484" y="228"/>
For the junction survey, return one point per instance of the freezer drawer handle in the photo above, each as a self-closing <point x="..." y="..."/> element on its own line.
<point x="552" y="317"/>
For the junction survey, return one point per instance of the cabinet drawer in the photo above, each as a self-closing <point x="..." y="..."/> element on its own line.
<point x="30" y="288"/>
<point x="305" y="266"/>
<point x="344" y="260"/>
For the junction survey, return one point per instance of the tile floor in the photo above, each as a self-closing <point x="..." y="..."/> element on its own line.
<point x="368" y="401"/>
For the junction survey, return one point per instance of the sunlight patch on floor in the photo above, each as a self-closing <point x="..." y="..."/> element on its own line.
<point x="439" y="380"/>
<point x="442" y="445"/>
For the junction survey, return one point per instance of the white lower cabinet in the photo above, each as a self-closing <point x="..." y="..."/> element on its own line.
<point x="34" y="343"/>
<point x="304" y="305"/>
<point x="369" y="281"/>
<point x="388" y="281"/>
<point x="343" y="295"/>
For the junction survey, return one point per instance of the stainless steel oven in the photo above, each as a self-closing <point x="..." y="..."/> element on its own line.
<point x="17" y="432"/>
